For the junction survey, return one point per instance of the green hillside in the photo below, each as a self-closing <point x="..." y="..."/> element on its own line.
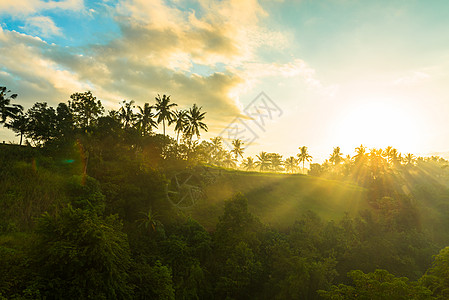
<point x="280" y="199"/>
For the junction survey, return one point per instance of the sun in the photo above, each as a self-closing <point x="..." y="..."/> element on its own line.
<point x="377" y="124"/>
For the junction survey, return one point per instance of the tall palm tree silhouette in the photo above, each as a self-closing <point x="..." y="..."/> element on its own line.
<point x="248" y="163"/>
<point x="163" y="110"/>
<point x="126" y="113"/>
<point x="304" y="156"/>
<point x="180" y="120"/>
<point x="8" y="110"/>
<point x="291" y="164"/>
<point x="195" y="121"/>
<point x="19" y="124"/>
<point x="263" y="161"/>
<point x="238" y="150"/>
<point x="276" y="161"/>
<point x="145" y="119"/>
<point x="409" y="159"/>
<point x="228" y="160"/>
<point x="360" y="153"/>
<point x="391" y="154"/>
<point x="336" y="156"/>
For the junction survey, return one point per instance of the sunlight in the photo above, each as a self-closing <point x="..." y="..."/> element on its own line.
<point x="378" y="124"/>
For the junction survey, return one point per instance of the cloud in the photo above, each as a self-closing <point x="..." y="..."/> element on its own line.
<point x="22" y="8"/>
<point x="38" y="72"/>
<point x="41" y="26"/>
<point x="156" y="53"/>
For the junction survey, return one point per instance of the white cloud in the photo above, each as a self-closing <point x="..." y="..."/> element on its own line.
<point x="22" y="8"/>
<point x="157" y="49"/>
<point x="41" y="26"/>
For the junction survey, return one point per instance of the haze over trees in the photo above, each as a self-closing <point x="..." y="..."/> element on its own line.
<point x="88" y="210"/>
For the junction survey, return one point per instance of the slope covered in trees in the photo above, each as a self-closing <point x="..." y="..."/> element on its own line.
<point x="100" y="206"/>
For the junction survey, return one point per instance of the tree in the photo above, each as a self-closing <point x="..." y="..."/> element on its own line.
<point x="19" y="124"/>
<point x="195" y="121"/>
<point x="263" y="161"/>
<point x="377" y="285"/>
<point x="82" y="256"/>
<point x="409" y="159"/>
<point x="336" y="156"/>
<point x="8" y="110"/>
<point x="180" y="120"/>
<point x="126" y="113"/>
<point x="217" y="145"/>
<point x="236" y="239"/>
<point x="41" y="122"/>
<point x="163" y="110"/>
<point x="360" y="154"/>
<point x="238" y="150"/>
<point x="275" y="161"/>
<point x="64" y="121"/>
<point x="149" y="221"/>
<point x="86" y="109"/>
<point x="291" y="164"/>
<point x="437" y="277"/>
<point x="249" y="164"/>
<point x="228" y="160"/>
<point x="144" y="119"/>
<point x="304" y="156"/>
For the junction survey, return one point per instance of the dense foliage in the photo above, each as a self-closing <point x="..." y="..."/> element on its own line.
<point x="85" y="214"/>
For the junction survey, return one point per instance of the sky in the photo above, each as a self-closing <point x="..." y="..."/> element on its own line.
<point x="331" y="73"/>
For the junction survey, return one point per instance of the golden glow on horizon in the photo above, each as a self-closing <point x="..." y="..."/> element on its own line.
<point x="379" y="124"/>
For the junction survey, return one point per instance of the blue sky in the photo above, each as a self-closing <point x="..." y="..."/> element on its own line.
<point x="344" y="72"/>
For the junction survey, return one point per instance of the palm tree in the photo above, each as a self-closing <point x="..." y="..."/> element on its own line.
<point x="8" y="110"/>
<point x="180" y="120"/>
<point x="228" y="160"/>
<point x="163" y="109"/>
<point x="276" y="161"/>
<point x="263" y="161"/>
<point x="336" y="156"/>
<point x="238" y="150"/>
<point x="194" y="121"/>
<point x="360" y="153"/>
<point x="126" y="113"/>
<point x="291" y="164"/>
<point x="249" y="164"/>
<point x="392" y="155"/>
<point x="145" y="120"/>
<point x="149" y="220"/>
<point x="304" y="156"/>
<point x="19" y="124"/>
<point x="409" y="159"/>
<point x="217" y="150"/>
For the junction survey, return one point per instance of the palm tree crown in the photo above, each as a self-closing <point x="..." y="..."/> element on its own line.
<point x="263" y="161"/>
<point x="291" y="164"/>
<point x="238" y="149"/>
<point x="163" y="110"/>
<point x="126" y="113"/>
<point x="194" y="121"/>
<point x="336" y="156"/>
<point x="8" y="110"/>
<point x="180" y="120"/>
<point x="248" y="164"/>
<point x="304" y="156"/>
<point x="145" y="120"/>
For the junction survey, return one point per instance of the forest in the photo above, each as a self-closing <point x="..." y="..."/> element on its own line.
<point x="99" y="205"/>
